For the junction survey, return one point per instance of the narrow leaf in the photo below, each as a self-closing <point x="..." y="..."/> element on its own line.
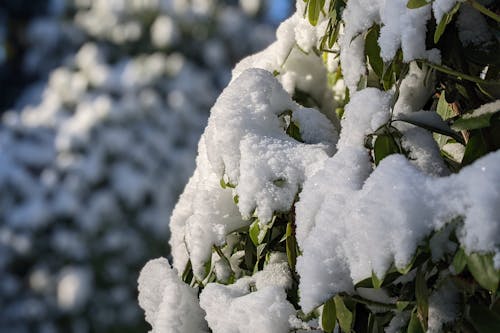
<point x="291" y="246"/>
<point x="479" y="118"/>
<point x="443" y="107"/>
<point x="445" y="20"/>
<point x="430" y="121"/>
<point x="314" y="8"/>
<point x="372" y="50"/>
<point x="254" y="231"/>
<point x="476" y="147"/>
<point x="401" y="305"/>
<point x="422" y="296"/>
<point x="414" y="324"/>
<point x="459" y="261"/>
<point x="377" y="283"/>
<point x="482" y="269"/>
<point x="483" y="319"/>
<point x="413" y="4"/>
<point x="344" y="315"/>
<point x="329" y="316"/>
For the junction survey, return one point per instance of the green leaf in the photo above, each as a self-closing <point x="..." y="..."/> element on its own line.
<point x="291" y="246"/>
<point x="254" y="231"/>
<point x="225" y="185"/>
<point x="479" y="118"/>
<point x="430" y="121"/>
<point x="372" y="50"/>
<point x="443" y="107"/>
<point x="422" y="296"/>
<point x="294" y="131"/>
<point x="377" y="283"/>
<point x="344" y="315"/>
<point x="445" y="20"/>
<point x="388" y="77"/>
<point x="401" y="305"/>
<point x="384" y="146"/>
<point x="482" y="269"/>
<point x="483" y="319"/>
<point x="187" y="274"/>
<point x="476" y="147"/>
<point x="414" y="324"/>
<point x="329" y="316"/>
<point x="332" y="38"/>
<point x="314" y="8"/>
<point x="413" y="4"/>
<point x="459" y="261"/>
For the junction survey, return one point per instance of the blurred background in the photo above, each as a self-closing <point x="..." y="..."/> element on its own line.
<point x="102" y="103"/>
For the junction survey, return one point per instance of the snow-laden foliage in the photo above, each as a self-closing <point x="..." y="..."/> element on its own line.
<point x="93" y="161"/>
<point x="363" y="146"/>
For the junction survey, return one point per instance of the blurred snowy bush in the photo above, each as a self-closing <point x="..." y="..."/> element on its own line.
<point x="94" y="157"/>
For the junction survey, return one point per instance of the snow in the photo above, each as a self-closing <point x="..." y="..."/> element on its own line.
<point x="403" y="206"/>
<point x="400" y="27"/>
<point x="472" y="27"/>
<point x="443" y="306"/>
<point x="246" y="145"/>
<point x="169" y="304"/>
<point x="353" y="218"/>
<point x="234" y="308"/>
<point x="441" y="7"/>
<point x="73" y="288"/>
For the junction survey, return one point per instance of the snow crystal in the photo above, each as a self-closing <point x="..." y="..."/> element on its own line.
<point x="170" y="305"/>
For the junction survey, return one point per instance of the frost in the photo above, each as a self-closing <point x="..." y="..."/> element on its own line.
<point x="170" y="305"/>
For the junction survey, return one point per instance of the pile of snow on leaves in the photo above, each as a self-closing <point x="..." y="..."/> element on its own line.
<point x="352" y="219"/>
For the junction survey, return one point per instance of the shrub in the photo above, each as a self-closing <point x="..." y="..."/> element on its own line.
<point x="388" y="220"/>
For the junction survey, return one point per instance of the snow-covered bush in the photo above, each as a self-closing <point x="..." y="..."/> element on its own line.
<point x="348" y="180"/>
<point x="92" y="165"/>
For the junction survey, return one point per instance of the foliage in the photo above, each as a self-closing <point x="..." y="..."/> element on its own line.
<point x="467" y="79"/>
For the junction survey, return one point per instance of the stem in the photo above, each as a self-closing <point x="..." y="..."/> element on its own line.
<point x="458" y="75"/>
<point x="476" y="5"/>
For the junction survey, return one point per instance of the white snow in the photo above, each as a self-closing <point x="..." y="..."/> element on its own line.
<point x="234" y="308"/>
<point x="353" y="219"/>
<point x="170" y="305"/>
<point x="443" y="306"/>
